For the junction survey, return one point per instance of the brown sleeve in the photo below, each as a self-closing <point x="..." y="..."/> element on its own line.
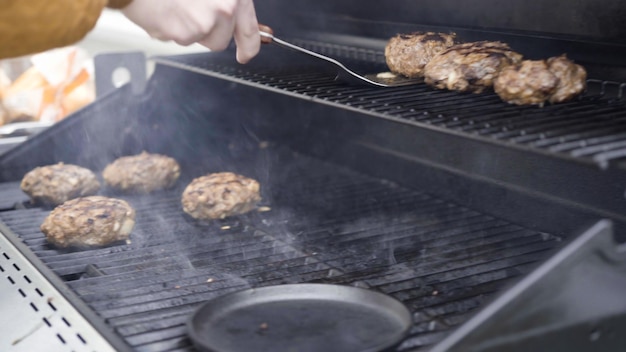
<point x="32" y="26"/>
<point x="118" y="4"/>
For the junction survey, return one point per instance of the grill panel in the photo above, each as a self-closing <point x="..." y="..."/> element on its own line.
<point x="326" y="224"/>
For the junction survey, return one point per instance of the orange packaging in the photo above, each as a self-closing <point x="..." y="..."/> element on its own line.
<point x="57" y="83"/>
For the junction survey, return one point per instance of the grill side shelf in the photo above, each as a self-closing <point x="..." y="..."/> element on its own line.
<point x="48" y="315"/>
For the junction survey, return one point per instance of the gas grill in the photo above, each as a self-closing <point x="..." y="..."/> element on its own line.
<point x="496" y="225"/>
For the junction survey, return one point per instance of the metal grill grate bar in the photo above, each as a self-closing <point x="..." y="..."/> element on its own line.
<point x="327" y="224"/>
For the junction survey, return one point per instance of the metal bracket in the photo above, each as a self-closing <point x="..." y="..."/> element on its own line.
<point x="572" y="302"/>
<point x="106" y="66"/>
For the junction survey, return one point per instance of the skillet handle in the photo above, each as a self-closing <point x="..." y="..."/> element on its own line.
<point x="267" y="34"/>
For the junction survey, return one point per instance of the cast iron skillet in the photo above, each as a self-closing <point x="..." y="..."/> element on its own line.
<point x="302" y="318"/>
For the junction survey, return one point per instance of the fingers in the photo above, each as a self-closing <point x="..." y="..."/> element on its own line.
<point x="220" y="35"/>
<point x="212" y="23"/>
<point x="242" y="25"/>
<point x="246" y="31"/>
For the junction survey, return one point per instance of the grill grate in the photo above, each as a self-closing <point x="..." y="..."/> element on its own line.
<point x="591" y="127"/>
<point x="325" y="224"/>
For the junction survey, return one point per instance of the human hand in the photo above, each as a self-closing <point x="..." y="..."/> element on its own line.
<point x="211" y="23"/>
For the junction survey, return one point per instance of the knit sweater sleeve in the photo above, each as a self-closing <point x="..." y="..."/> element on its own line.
<point x="28" y="27"/>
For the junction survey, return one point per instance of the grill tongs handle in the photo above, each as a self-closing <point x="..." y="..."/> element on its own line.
<point x="267" y="37"/>
<point x="344" y="73"/>
<point x="267" y="34"/>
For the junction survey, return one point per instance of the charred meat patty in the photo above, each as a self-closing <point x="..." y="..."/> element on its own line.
<point x="469" y="67"/>
<point x="537" y="81"/>
<point x="216" y="196"/>
<point x="530" y="82"/>
<point x="572" y="78"/>
<point x="407" y="54"/>
<point x="142" y="173"/>
<point x="89" y="221"/>
<point x="55" y="184"/>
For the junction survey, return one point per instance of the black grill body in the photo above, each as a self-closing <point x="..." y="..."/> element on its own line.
<point x="442" y="200"/>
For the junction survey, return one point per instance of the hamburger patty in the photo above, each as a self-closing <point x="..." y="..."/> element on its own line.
<point x="55" y="184"/>
<point x="469" y="67"/>
<point x="572" y="78"/>
<point x="535" y="82"/>
<point x="142" y="173"/>
<point x="216" y="196"/>
<point x="530" y="82"/>
<point x="89" y="221"/>
<point x="407" y="54"/>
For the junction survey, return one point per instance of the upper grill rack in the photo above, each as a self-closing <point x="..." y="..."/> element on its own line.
<point x="591" y="127"/>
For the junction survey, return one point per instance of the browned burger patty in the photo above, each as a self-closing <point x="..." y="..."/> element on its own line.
<point x="530" y="82"/>
<point x="216" y="196"/>
<point x="55" y="184"/>
<point x="89" y="221"/>
<point x="142" y="173"/>
<point x="572" y="78"/>
<point x="535" y="82"/>
<point x="407" y="54"/>
<point x="469" y="67"/>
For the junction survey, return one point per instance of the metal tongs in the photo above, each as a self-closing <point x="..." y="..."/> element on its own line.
<point x="383" y="79"/>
